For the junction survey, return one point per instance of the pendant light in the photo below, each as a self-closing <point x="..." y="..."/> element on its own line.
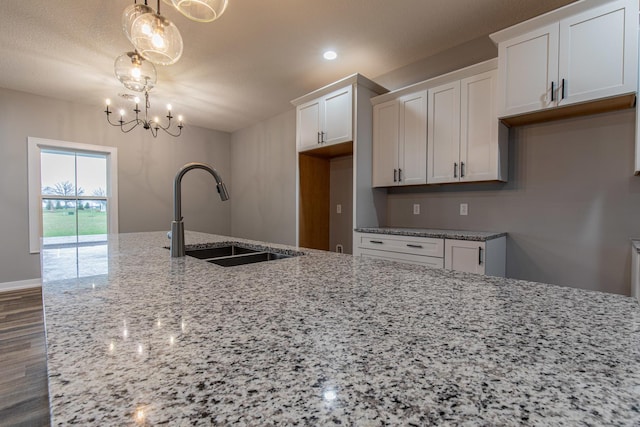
<point x="201" y="10"/>
<point x="156" y="39"/>
<point x="134" y="72"/>
<point x="130" y="14"/>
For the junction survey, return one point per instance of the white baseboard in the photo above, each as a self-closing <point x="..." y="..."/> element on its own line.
<point x="20" y="284"/>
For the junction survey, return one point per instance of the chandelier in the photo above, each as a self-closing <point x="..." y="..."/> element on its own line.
<point x="156" y="40"/>
<point x="153" y="125"/>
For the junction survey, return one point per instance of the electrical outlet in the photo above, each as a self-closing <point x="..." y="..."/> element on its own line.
<point x="416" y="209"/>
<point x="339" y="208"/>
<point x="464" y="209"/>
<point x="339" y="248"/>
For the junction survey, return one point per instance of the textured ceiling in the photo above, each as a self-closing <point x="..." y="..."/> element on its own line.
<point x="250" y="63"/>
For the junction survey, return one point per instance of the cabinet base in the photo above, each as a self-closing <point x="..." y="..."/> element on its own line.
<point x="576" y="110"/>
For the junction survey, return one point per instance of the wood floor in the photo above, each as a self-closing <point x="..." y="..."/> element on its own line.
<point x="24" y="398"/>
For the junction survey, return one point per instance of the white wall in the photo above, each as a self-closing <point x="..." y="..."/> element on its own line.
<point x="263" y="168"/>
<point x="146" y="168"/>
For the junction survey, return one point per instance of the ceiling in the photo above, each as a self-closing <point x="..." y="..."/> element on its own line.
<point x="246" y="66"/>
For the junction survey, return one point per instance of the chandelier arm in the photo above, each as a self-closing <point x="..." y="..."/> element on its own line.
<point x="171" y="133"/>
<point x="122" y="125"/>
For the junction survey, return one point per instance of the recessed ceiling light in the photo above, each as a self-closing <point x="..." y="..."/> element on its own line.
<point x="330" y="55"/>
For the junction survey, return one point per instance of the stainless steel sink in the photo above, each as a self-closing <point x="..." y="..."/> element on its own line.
<point x="231" y="261"/>
<point x="222" y="251"/>
<point x="232" y="254"/>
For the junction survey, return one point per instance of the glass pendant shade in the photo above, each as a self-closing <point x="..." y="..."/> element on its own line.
<point x="201" y="10"/>
<point x="156" y="39"/>
<point x="134" y="72"/>
<point x="130" y="14"/>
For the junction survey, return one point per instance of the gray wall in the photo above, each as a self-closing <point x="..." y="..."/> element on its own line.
<point x="341" y="192"/>
<point x="570" y="206"/>
<point x="146" y="168"/>
<point x="263" y="167"/>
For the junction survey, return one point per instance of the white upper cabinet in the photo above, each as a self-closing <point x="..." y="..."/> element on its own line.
<point x="481" y="158"/>
<point x="385" y="144"/>
<point x="338" y="121"/>
<point x="575" y="54"/>
<point x="308" y="128"/>
<point x="598" y="53"/>
<point x="412" y="168"/>
<point x="400" y="141"/>
<point x="528" y="67"/>
<point x="466" y="142"/>
<point x="444" y="133"/>
<point x="326" y="120"/>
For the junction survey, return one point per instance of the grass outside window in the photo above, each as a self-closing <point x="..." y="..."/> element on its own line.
<point x="62" y="222"/>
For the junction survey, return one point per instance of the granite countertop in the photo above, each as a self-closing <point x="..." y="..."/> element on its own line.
<point x="324" y="339"/>
<point x="478" y="236"/>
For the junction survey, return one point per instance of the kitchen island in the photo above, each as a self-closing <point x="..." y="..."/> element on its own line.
<point x="136" y="337"/>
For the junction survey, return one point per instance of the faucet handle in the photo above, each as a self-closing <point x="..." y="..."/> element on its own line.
<point x="169" y="235"/>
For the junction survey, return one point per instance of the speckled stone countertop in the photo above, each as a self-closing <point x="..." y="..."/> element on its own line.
<point x="326" y="339"/>
<point x="478" y="236"/>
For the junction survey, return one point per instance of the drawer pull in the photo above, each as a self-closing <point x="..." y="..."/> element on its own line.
<point x="414" y="246"/>
<point x="480" y="255"/>
<point x="378" y="242"/>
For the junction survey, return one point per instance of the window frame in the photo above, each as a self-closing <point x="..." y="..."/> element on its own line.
<point x="34" y="148"/>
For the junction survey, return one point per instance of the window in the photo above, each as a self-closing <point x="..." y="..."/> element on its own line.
<point x="72" y="192"/>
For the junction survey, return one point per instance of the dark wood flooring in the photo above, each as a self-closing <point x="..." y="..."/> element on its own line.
<point x="24" y="397"/>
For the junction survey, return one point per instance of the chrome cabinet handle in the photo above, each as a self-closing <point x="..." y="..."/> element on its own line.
<point x="395" y="174"/>
<point x="552" y="90"/>
<point x="399" y="175"/>
<point x="414" y="246"/>
<point x="455" y="170"/>
<point x="562" y="89"/>
<point x="377" y="242"/>
<point x="461" y="169"/>
<point x="318" y="138"/>
<point x="480" y="255"/>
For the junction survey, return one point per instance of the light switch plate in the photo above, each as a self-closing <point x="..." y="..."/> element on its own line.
<point x="339" y="208"/>
<point x="416" y="209"/>
<point x="464" y="209"/>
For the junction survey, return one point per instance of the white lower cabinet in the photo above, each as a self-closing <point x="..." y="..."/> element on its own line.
<point x="487" y="257"/>
<point x="407" y="249"/>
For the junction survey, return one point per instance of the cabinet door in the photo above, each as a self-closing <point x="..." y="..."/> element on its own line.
<point x="464" y="255"/>
<point x="337" y="117"/>
<point x="385" y="144"/>
<point x="598" y="52"/>
<point x="413" y="139"/>
<point x="443" y="129"/>
<point x="308" y="127"/>
<point x="527" y="67"/>
<point x="478" y="128"/>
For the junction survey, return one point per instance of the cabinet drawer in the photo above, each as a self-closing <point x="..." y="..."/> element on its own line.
<point x="433" y="262"/>
<point x="423" y="246"/>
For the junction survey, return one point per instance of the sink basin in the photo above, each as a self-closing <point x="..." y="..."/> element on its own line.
<point x="229" y="254"/>
<point x="247" y="259"/>
<point x="222" y="251"/>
